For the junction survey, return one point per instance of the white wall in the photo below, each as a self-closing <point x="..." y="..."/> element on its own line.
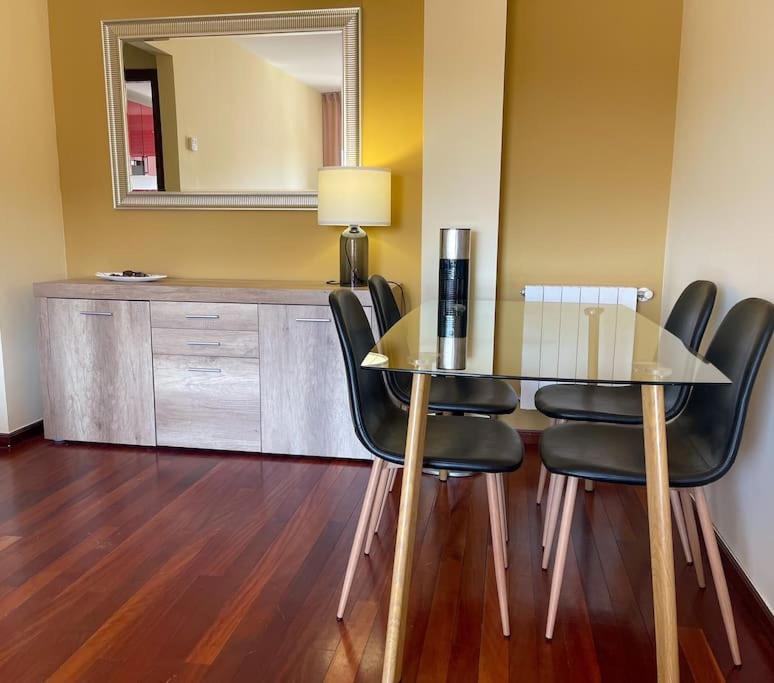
<point x="464" y="69"/>
<point x="31" y="231"/>
<point x="721" y="227"/>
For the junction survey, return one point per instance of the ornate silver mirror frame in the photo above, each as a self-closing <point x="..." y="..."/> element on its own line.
<point x="114" y="33"/>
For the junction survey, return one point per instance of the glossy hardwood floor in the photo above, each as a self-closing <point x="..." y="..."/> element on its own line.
<point x="121" y="564"/>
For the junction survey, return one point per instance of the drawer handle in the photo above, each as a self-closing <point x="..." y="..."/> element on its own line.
<point x="203" y="316"/>
<point x="102" y="314"/>
<point x="203" y="343"/>
<point x="313" y="320"/>
<point x="204" y="370"/>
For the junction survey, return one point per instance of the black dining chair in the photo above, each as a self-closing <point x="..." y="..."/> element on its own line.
<point x="623" y="405"/>
<point x="455" y="395"/>
<point x="703" y="442"/>
<point x="457" y="444"/>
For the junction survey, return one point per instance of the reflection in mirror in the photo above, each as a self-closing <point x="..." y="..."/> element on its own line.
<point x="233" y="113"/>
<point x="143" y="128"/>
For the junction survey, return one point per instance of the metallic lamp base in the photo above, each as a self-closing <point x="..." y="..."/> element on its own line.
<point x="353" y="257"/>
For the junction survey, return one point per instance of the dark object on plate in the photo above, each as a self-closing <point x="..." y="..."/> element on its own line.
<point x="133" y="273"/>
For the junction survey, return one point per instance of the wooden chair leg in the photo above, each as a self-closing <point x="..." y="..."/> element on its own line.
<point x="552" y="479"/>
<point x="718" y="575"/>
<point x="378" y="508"/>
<point x="693" y="536"/>
<point x="390" y="482"/>
<point x="393" y="476"/>
<point x="553" y="515"/>
<point x="503" y="506"/>
<point x="561" y="555"/>
<point x="498" y="551"/>
<point x="360" y="532"/>
<point x="677" y="511"/>
<point x="541" y="483"/>
<point x="588" y="485"/>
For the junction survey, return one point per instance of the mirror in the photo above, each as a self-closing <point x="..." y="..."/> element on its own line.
<point x="231" y="111"/>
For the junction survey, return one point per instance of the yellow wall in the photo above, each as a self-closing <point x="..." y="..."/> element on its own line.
<point x="589" y="115"/>
<point x="31" y="238"/>
<point x="590" y="92"/>
<point x="269" y="244"/>
<point x="256" y="125"/>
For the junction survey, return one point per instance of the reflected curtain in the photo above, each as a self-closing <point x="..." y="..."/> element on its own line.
<point x="331" y="121"/>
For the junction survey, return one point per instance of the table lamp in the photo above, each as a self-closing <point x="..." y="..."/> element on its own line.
<point x="353" y="196"/>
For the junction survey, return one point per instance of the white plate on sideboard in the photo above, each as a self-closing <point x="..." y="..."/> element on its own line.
<point x="117" y="277"/>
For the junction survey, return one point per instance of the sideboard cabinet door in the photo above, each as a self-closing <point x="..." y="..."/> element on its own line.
<point x="99" y="384"/>
<point x="304" y="398"/>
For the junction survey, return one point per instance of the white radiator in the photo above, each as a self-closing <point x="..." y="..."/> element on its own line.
<point x="557" y="338"/>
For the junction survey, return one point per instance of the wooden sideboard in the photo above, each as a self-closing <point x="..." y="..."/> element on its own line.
<point x="223" y="364"/>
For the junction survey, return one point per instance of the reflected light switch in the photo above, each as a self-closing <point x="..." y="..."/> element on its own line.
<point x="192" y="143"/>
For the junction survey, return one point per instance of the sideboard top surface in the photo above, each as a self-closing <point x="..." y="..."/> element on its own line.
<point x="311" y="293"/>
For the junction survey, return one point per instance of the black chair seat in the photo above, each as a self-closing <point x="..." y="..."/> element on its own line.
<point x="598" y="403"/>
<point x="462" y="444"/>
<point x="464" y="395"/>
<point x="616" y="454"/>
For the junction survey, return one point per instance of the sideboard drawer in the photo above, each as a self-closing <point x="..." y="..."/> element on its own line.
<point x="205" y="343"/>
<point x="204" y="316"/>
<point x="208" y="402"/>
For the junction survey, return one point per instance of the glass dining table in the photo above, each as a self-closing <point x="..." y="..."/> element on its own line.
<point x="539" y="343"/>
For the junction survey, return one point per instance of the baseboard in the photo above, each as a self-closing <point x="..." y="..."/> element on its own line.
<point x="735" y="575"/>
<point x="21" y="434"/>
<point x="530" y="437"/>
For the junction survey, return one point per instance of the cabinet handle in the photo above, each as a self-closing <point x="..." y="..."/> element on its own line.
<point x="103" y="314"/>
<point x="313" y="320"/>
<point x="202" y="343"/>
<point x="204" y="370"/>
<point x="203" y="316"/>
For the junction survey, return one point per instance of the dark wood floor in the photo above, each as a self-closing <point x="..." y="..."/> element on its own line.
<point x="121" y="564"/>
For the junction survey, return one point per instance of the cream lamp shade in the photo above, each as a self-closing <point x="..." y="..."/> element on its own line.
<point x="353" y="195"/>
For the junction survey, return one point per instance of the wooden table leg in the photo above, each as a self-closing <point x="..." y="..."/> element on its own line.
<point x="407" y="526"/>
<point x="660" y="523"/>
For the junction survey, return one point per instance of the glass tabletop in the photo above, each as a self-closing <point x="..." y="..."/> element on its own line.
<point x="539" y="341"/>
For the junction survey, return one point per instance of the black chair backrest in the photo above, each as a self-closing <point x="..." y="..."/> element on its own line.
<point x="716" y="413"/>
<point x="368" y="398"/>
<point x="385" y="306"/>
<point x="688" y="321"/>
<point x="689" y="316"/>
<point x="387" y="314"/>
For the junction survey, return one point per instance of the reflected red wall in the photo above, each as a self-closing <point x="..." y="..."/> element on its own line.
<point x="142" y="142"/>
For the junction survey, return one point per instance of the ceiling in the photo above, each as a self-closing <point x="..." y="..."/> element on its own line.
<point x="140" y="92"/>
<point x="312" y="58"/>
